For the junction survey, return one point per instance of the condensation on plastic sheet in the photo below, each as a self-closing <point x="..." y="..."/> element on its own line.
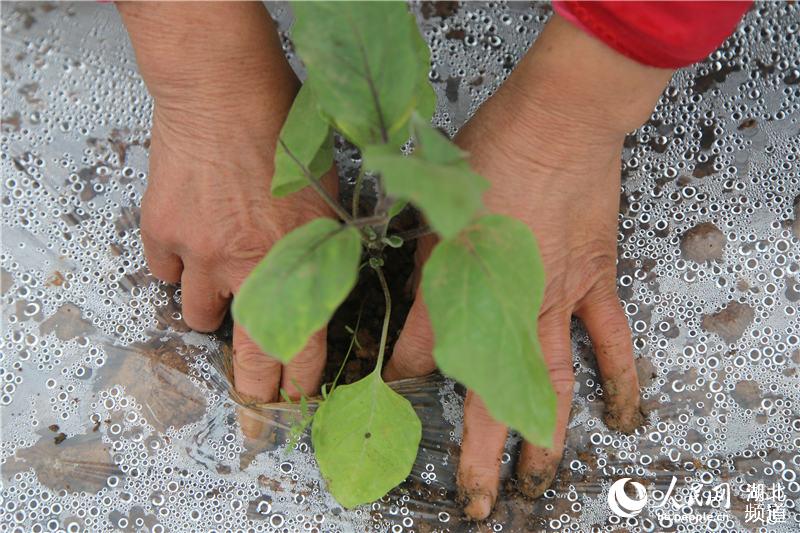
<point x="116" y="417"/>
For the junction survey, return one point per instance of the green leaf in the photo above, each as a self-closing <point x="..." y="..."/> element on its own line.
<point x="483" y="290"/>
<point x="425" y="95"/>
<point x="364" y="64"/>
<point x="397" y="207"/>
<point x="365" y="439"/>
<point x="426" y="99"/>
<point x="295" y="289"/>
<point x="432" y="145"/>
<point x="395" y="241"/>
<point x="309" y="138"/>
<point x="449" y="195"/>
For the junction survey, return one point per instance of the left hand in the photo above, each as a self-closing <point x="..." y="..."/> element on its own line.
<point x="551" y="146"/>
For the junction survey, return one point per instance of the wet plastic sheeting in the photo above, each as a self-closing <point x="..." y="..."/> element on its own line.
<point x="115" y="416"/>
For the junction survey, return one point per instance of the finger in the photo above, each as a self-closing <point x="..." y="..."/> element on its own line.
<point x="608" y="328"/>
<point x="163" y="263"/>
<point x="204" y="305"/>
<point x="255" y="376"/>
<point x="413" y="351"/>
<point x="303" y="373"/>
<point x="479" y="466"/>
<point x="537" y="466"/>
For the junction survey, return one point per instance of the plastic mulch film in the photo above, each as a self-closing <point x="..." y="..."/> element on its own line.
<point x="116" y="417"/>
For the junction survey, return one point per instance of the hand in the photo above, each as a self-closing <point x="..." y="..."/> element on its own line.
<point x="550" y="144"/>
<point x="222" y="93"/>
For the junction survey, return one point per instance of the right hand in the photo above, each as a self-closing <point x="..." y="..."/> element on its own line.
<point x="222" y="93"/>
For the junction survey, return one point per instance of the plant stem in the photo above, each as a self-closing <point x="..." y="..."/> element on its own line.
<point x="349" y="348"/>
<point x="357" y="191"/>
<point x="385" y="331"/>
<point x="318" y="188"/>
<point x="415" y="233"/>
<point x="368" y="221"/>
<point x="381" y="207"/>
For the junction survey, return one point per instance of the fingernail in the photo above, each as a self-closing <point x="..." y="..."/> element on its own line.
<point x="621" y="418"/>
<point x="532" y="484"/>
<point x="477" y="504"/>
<point x="621" y="413"/>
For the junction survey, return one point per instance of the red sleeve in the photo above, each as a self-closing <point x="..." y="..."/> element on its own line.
<point x="659" y="34"/>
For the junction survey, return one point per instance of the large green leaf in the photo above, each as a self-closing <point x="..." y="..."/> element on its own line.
<point x="425" y="95"/>
<point x="448" y="194"/>
<point x="432" y="145"/>
<point x="483" y="290"/>
<point x="365" y="439"/>
<point x="295" y="289"/>
<point x="426" y="99"/>
<point x="365" y="65"/>
<point x="309" y="138"/>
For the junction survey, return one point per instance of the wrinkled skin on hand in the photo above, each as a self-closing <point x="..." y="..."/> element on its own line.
<point x="207" y="215"/>
<point x="553" y="162"/>
<point x="207" y="220"/>
<point x="576" y="232"/>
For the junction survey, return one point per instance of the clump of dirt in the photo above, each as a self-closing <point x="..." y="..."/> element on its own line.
<point x="619" y="415"/>
<point x="79" y="463"/>
<point x="747" y="394"/>
<point x="158" y="376"/>
<point x="440" y="9"/>
<point x="747" y="124"/>
<point x="729" y="322"/>
<point x="704" y="242"/>
<point x="67" y="323"/>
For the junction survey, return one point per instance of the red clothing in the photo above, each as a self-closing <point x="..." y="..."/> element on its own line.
<point x="659" y="34"/>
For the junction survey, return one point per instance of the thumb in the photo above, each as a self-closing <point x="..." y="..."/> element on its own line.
<point x="413" y="351"/>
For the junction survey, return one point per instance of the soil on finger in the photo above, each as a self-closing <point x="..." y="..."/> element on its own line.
<point x="620" y="415"/>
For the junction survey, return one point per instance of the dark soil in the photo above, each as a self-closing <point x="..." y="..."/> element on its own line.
<point x="730" y="322"/>
<point x="367" y="298"/>
<point x="704" y="242"/>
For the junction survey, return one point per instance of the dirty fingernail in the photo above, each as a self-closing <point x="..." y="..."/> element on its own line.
<point x="477" y="504"/>
<point x="622" y="419"/>
<point x="532" y="484"/>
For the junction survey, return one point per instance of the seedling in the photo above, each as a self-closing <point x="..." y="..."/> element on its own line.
<point x="367" y="78"/>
